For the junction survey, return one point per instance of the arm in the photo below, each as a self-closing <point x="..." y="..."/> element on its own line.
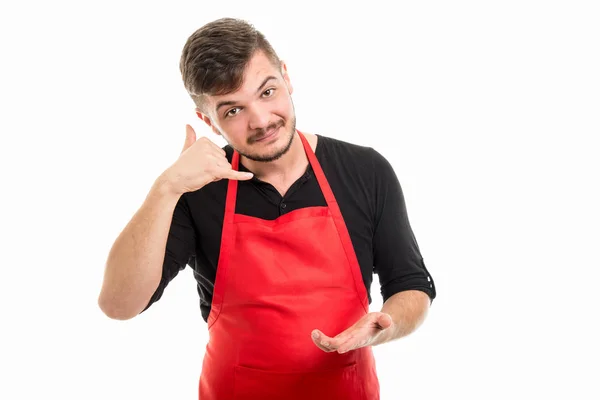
<point x="145" y="254"/>
<point x="407" y="311"/>
<point x="401" y="315"/>
<point x="135" y="262"/>
<point x="406" y="285"/>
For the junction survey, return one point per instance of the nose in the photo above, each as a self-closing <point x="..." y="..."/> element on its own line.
<point x="258" y="117"/>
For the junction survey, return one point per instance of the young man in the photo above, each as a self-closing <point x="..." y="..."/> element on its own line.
<point x="283" y="229"/>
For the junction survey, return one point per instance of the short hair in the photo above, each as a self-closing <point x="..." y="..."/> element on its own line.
<point x="215" y="57"/>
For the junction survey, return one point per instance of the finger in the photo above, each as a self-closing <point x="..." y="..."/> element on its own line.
<point x="349" y="332"/>
<point x="325" y="349"/>
<point x="336" y="342"/>
<point x="190" y="137"/>
<point x="219" y="150"/>
<point x="351" y="344"/>
<point x="351" y="339"/>
<point x="384" y="321"/>
<point x="322" y="341"/>
<point x="236" y="175"/>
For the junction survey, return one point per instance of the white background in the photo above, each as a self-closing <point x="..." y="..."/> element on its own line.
<point x="488" y="111"/>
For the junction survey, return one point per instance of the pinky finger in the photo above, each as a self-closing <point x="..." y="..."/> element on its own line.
<point x="240" y="176"/>
<point x="350" y="344"/>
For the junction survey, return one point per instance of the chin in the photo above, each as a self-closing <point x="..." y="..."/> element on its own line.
<point x="275" y="150"/>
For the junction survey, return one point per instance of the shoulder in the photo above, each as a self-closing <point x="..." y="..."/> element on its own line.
<point x="363" y="159"/>
<point x="342" y="147"/>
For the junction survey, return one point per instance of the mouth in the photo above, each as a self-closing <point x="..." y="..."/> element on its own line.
<point x="268" y="135"/>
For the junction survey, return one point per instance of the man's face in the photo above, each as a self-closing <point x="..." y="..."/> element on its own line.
<point x="258" y="120"/>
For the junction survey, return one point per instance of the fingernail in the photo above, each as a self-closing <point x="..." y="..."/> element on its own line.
<point x="315" y="335"/>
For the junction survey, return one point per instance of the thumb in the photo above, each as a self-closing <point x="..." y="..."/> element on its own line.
<point x="384" y="320"/>
<point x="190" y="137"/>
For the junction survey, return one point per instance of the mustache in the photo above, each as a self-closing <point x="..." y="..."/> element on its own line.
<point x="263" y="131"/>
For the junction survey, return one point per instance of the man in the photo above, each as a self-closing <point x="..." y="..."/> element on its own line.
<point x="283" y="229"/>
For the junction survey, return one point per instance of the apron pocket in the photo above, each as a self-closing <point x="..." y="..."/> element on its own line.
<point x="255" y="384"/>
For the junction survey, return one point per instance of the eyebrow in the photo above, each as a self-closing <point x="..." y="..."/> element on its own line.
<point x="232" y="102"/>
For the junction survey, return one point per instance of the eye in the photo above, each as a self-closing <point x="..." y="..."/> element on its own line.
<point x="269" y="92"/>
<point x="231" y="112"/>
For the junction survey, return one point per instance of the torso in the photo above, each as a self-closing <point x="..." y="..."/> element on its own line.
<point x="362" y="181"/>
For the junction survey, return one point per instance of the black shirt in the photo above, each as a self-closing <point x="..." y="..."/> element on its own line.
<point x="370" y="200"/>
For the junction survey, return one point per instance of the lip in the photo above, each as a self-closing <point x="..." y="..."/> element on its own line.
<point x="269" y="135"/>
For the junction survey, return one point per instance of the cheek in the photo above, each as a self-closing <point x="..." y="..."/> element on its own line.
<point x="285" y="108"/>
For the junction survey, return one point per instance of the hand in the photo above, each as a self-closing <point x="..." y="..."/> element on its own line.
<point x="367" y="331"/>
<point x="200" y="163"/>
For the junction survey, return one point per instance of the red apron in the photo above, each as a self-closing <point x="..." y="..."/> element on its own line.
<point x="276" y="282"/>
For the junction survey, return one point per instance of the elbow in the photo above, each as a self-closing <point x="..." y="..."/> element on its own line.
<point x="114" y="311"/>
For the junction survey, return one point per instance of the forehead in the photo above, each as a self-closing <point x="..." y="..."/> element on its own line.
<point x="259" y="67"/>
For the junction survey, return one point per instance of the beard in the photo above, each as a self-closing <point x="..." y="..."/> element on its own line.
<point x="288" y="136"/>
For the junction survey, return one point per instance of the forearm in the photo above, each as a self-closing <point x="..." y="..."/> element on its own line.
<point x="134" y="266"/>
<point x="408" y="310"/>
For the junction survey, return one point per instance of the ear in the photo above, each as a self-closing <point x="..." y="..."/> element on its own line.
<point x="207" y="120"/>
<point x="286" y="77"/>
<point x="203" y="117"/>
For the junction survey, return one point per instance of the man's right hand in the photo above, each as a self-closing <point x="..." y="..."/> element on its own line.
<point x="200" y="163"/>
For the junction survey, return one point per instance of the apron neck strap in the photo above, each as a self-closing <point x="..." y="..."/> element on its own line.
<point x="312" y="159"/>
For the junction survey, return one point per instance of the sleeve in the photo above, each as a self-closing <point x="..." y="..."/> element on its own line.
<point x="396" y="255"/>
<point x="180" y="248"/>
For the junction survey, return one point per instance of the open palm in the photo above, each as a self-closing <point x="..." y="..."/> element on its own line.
<point x="363" y="333"/>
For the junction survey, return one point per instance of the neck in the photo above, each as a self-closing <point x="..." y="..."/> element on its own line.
<point x="288" y="167"/>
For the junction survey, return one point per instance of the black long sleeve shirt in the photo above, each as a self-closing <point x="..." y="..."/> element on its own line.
<point x="370" y="199"/>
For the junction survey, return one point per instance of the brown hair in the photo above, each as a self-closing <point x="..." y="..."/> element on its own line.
<point x="214" y="57"/>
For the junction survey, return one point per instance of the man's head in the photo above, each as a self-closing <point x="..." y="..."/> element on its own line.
<point x="240" y="87"/>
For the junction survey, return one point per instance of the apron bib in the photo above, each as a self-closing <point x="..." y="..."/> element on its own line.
<point x="276" y="282"/>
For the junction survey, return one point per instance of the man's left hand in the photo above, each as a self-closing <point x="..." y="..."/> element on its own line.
<point x="367" y="331"/>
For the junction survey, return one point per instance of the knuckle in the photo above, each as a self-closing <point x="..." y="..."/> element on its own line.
<point x="212" y="169"/>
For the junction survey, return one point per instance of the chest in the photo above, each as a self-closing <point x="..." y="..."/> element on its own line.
<point x="265" y="202"/>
